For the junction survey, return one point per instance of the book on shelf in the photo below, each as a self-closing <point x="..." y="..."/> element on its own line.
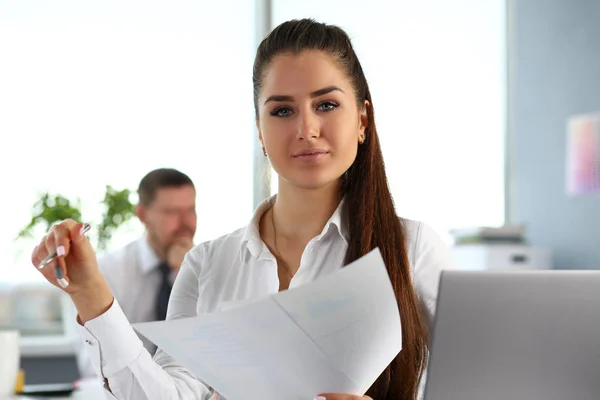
<point x="484" y="234"/>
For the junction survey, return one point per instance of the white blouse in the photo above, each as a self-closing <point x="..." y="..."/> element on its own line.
<point x="234" y="268"/>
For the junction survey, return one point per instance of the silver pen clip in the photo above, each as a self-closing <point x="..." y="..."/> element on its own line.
<point x="52" y="256"/>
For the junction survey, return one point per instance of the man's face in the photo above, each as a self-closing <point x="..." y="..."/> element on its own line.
<point x="170" y="216"/>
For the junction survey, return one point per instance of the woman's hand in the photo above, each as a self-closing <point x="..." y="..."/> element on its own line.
<point x="333" y="396"/>
<point x="75" y="270"/>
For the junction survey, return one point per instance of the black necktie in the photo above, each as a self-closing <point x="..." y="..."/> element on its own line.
<point x="164" y="291"/>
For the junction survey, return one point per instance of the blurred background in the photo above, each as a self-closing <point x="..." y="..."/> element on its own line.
<point x="474" y="103"/>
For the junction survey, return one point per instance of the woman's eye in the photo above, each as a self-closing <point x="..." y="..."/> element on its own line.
<point x="281" y="112"/>
<point x="327" y="106"/>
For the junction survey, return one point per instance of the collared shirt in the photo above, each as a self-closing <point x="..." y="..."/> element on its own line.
<point x="134" y="279"/>
<point x="235" y="268"/>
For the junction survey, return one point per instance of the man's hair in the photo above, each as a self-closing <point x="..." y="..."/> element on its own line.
<point x="159" y="179"/>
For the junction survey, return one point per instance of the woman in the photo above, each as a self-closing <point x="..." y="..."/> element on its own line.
<point x="314" y="115"/>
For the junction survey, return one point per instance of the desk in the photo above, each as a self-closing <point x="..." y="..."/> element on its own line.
<point x="88" y="391"/>
<point x="86" y="394"/>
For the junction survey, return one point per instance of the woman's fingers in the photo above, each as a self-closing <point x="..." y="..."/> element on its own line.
<point x="50" y="255"/>
<point x="62" y="242"/>
<point x="49" y="244"/>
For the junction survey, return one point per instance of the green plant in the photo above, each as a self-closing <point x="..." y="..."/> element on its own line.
<point x="52" y="208"/>
<point x="118" y="210"/>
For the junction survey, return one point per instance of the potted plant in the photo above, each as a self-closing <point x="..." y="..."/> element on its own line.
<point x="118" y="209"/>
<point x="48" y="210"/>
<point x="53" y="208"/>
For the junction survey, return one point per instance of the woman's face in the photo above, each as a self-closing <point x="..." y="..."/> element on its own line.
<point x="309" y="122"/>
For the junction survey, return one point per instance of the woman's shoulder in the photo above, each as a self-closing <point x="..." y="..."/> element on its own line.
<point x="229" y="240"/>
<point x="417" y="230"/>
<point x="216" y="251"/>
<point x="423" y="241"/>
<point x="411" y="227"/>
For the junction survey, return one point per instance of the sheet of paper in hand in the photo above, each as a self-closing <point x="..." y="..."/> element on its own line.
<point x="335" y="334"/>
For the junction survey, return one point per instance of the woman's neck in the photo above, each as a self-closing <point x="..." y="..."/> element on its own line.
<point x="301" y="214"/>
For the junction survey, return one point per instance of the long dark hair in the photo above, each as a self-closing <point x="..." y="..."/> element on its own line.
<point x="368" y="205"/>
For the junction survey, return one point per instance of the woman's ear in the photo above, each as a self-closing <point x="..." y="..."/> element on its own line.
<point x="262" y="143"/>
<point x="260" y="138"/>
<point x="363" y="119"/>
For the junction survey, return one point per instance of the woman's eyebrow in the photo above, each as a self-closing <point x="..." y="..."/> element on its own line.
<point x="316" y="93"/>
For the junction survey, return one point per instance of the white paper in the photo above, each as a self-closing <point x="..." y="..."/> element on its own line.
<point x="336" y="334"/>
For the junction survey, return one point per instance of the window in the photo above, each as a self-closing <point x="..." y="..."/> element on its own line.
<point x="101" y="93"/>
<point x="436" y="70"/>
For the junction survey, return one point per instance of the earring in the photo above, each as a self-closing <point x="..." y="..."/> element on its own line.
<point x="361" y="139"/>
<point x="264" y="151"/>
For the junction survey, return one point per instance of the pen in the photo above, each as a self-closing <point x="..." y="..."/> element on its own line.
<point x="52" y="256"/>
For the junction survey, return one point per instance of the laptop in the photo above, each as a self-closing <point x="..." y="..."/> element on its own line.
<point x="516" y="335"/>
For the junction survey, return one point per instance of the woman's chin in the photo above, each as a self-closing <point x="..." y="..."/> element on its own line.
<point x="314" y="181"/>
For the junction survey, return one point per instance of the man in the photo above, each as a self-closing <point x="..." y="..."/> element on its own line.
<point x="141" y="274"/>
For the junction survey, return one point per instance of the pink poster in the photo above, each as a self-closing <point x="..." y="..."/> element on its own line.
<point x="583" y="154"/>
